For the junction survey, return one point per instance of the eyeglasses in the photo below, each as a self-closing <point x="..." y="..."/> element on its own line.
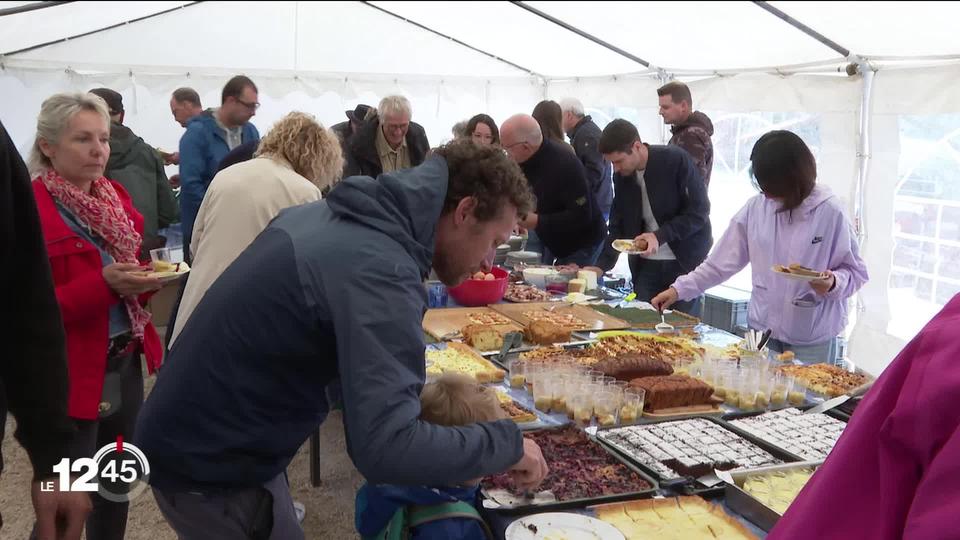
<point x="253" y="106"/>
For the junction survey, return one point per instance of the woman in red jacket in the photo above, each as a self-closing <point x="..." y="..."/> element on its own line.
<point x="93" y="236"/>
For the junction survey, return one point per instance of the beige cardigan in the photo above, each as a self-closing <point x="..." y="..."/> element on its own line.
<point x="240" y="202"/>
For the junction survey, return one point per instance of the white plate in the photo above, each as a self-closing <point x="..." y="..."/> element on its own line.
<point x="165" y="277"/>
<point x="795" y="277"/>
<point x="562" y="526"/>
<point x="626" y="246"/>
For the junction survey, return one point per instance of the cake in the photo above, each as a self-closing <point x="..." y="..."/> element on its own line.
<point x="669" y="391"/>
<point x="579" y="468"/>
<point x="777" y="490"/>
<point x="627" y="367"/>
<point x="484" y="337"/>
<point x="577" y="285"/>
<point x="546" y="333"/>
<point x="681" y="518"/>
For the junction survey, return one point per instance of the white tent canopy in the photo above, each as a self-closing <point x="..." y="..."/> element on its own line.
<point x="890" y="130"/>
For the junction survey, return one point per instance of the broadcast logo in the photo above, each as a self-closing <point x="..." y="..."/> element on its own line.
<point x="119" y="472"/>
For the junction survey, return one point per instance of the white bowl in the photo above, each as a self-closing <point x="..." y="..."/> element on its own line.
<point x="538" y="276"/>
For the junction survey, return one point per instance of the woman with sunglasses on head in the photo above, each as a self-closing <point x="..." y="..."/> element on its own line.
<point x="794" y="220"/>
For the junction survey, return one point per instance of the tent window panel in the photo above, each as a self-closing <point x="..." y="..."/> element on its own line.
<point x="926" y="233"/>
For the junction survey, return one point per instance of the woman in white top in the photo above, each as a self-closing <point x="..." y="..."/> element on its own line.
<point x="296" y="159"/>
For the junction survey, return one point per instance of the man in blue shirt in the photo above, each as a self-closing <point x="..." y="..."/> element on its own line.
<point x="210" y="136"/>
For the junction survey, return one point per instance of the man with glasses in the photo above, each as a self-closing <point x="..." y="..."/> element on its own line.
<point x="210" y="136"/>
<point x="567" y="219"/>
<point x="388" y="142"/>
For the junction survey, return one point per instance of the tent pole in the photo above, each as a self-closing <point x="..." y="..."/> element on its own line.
<point x="453" y="39"/>
<point x="29" y="7"/>
<point x="863" y="151"/>
<point x="804" y="28"/>
<point x="581" y="33"/>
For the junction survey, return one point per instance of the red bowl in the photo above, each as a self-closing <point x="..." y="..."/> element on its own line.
<point x="475" y="292"/>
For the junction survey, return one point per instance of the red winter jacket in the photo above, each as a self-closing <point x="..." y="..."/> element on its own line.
<point x="85" y="300"/>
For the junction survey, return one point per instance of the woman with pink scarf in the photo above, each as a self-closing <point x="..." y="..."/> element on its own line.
<point x="793" y="220"/>
<point x="93" y="236"/>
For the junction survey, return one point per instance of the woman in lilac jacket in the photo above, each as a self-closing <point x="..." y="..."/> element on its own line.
<point x="793" y="220"/>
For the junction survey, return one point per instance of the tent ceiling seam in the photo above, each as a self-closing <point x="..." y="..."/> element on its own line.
<point x="30" y="7"/>
<point x="451" y="38"/>
<point x="766" y="6"/>
<point x="586" y="35"/>
<point x="99" y="30"/>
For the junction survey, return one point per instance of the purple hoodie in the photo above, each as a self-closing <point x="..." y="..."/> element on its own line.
<point x="818" y="235"/>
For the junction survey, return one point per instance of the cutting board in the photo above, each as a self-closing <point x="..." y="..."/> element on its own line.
<point x="443" y="321"/>
<point x="594" y="320"/>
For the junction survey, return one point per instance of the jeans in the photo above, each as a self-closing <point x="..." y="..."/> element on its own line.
<point x="808" y="354"/>
<point x="651" y="278"/>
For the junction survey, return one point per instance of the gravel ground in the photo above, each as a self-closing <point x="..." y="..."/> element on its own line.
<point x="329" y="507"/>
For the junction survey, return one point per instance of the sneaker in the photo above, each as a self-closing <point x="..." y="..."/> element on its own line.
<point x="300" y="510"/>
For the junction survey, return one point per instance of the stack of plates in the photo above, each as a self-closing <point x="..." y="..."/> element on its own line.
<point x="515" y="258"/>
<point x="501" y="257"/>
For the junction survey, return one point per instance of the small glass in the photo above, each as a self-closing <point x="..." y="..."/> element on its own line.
<point x="632" y="406"/>
<point x="582" y="406"/>
<point x="605" y="409"/>
<point x="796" y="395"/>
<point x="732" y="395"/>
<point x="437" y="295"/>
<point x="518" y="378"/>
<point x="781" y="388"/>
<point x="543" y="392"/>
<point x="557" y="283"/>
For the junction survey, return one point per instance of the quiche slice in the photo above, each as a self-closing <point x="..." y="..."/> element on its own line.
<point x="514" y="411"/>
<point x="461" y="359"/>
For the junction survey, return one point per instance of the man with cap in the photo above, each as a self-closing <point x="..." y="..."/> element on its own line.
<point x="139" y="168"/>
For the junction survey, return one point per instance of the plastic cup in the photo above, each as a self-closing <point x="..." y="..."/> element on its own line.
<point x="437" y="295"/>
<point x="582" y="406"/>
<point x="605" y="409"/>
<point x="632" y="406"/>
<point x="796" y="395"/>
<point x="543" y="392"/>
<point x="518" y="377"/>
<point x="781" y="386"/>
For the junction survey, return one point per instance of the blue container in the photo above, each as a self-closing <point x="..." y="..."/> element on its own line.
<point x="437" y="295"/>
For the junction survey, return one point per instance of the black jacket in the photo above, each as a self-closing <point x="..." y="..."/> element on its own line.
<point x="363" y="158"/>
<point x="585" y="139"/>
<point x="33" y="366"/>
<point x="678" y="198"/>
<point x="569" y="219"/>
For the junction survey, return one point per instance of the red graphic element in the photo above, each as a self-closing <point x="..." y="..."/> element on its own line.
<point x="119" y="444"/>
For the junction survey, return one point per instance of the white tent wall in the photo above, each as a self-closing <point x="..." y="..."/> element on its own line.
<point x="437" y="103"/>
<point x="895" y="311"/>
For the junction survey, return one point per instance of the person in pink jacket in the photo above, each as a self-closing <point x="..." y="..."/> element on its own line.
<point x="893" y="473"/>
<point x="792" y="220"/>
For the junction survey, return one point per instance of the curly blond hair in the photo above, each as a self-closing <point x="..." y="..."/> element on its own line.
<point x="312" y="150"/>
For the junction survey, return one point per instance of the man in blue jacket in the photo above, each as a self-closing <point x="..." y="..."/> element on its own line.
<point x="210" y="136"/>
<point x="332" y="288"/>
<point x="660" y="201"/>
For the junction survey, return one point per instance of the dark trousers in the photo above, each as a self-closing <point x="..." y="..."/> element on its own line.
<point x="651" y="278"/>
<point x="255" y="513"/>
<point x="108" y="520"/>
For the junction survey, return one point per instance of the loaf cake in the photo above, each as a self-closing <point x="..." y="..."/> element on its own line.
<point x="484" y="337"/>
<point x="629" y="366"/>
<point x="546" y="333"/>
<point x="669" y="391"/>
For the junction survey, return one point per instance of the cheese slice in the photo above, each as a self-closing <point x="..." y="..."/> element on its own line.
<point x="577" y="285"/>
<point x="590" y="277"/>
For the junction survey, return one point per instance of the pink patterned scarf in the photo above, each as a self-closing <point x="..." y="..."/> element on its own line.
<point x="103" y="212"/>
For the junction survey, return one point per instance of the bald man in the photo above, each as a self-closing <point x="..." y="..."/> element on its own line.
<point x="568" y="220"/>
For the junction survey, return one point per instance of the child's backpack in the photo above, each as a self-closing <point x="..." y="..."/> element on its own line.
<point x="408" y="517"/>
